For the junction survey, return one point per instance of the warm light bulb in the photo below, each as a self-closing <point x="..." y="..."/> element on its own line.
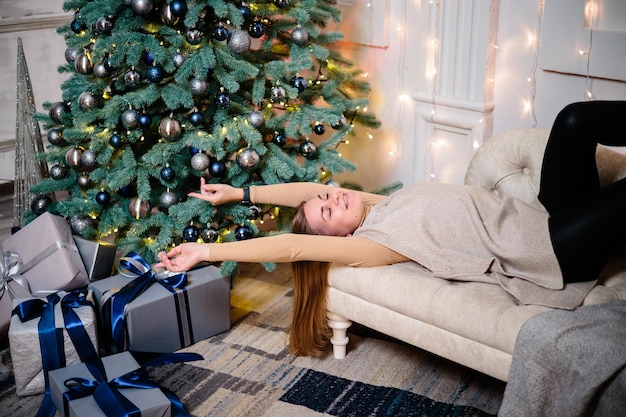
<point x="527" y="106"/>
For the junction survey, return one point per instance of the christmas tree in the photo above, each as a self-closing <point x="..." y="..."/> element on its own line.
<point x="161" y="93"/>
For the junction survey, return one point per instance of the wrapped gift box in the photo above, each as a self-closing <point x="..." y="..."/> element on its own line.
<point x="47" y="244"/>
<point x="50" y="262"/>
<point x="150" y="401"/>
<point x="9" y="291"/>
<point x="160" y="321"/>
<point x="25" y="348"/>
<point x="98" y="257"/>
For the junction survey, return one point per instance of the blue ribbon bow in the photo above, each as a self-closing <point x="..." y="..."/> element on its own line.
<point x="113" y="309"/>
<point x="107" y="395"/>
<point x="51" y="337"/>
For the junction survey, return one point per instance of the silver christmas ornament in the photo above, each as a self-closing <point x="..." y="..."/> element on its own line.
<point x="130" y="119"/>
<point x="72" y="157"/>
<point x="247" y="158"/>
<point x="138" y="208"/>
<point x="101" y="71"/>
<point x="167" y="17"/>
<point x="239" y="41"/>
<point x="300" y="36"/>
<point x="340" y="123"/>
<point x="141" y="6"/>
<point x="307" y="149"/>
<point x="200" y="161"/>
<point x="82" y="64"/>
<point x="40" y="204"/>
<point x="80" y="224"/>
<point x="58" y="172"/>
<point x="57" y="111"/>
<point x="55" y="137"/>
<point x="331" y="182"/>
<point x="198" y="86"/>
<point x="103" y="24"/>
<point x="169" y="128"/>
<point x="209" y="234"/>
<point x="278" y="93"/>
<point x="88" y="159"/>
<point x="168" y="199"/>
<point x="86" y="101"/>
<point x="83" y="181"/>
<point x="132" y="77"/>
<point x="194" y="36"/>
<point x="256" y="118"/>
<point x="178" y="59"/>
<point x="70" y="54"/>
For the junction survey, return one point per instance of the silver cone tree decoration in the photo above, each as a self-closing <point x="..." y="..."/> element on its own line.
<point x="28" y="143"/>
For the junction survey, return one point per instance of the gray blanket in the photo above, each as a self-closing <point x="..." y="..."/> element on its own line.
<point x="570" y="363"/>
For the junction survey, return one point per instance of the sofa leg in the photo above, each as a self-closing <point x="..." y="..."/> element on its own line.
<point x="339" y="340"/>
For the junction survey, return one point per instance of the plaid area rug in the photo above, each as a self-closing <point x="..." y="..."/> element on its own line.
<point x="248" y="370"/>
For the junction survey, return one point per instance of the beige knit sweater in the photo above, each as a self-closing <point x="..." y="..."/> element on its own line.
<point x="458" y="232"/>
<point x="466" y="233"/>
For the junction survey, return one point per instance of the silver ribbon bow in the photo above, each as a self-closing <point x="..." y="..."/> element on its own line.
<point x="10" y="266"/>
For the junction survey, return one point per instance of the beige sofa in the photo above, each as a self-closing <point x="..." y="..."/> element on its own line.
<point x="474" y="324"/>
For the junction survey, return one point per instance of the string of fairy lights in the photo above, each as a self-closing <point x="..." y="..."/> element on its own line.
<point x="433" y="60"/>
<point x="590" y="17"/>
<point x="433" y="73"/>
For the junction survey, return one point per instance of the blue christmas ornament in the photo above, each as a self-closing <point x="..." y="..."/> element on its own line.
<point x="245" y="12"/>
<point x="148" y="58"/>
<point x="196" y="118"/>
<point x="220" y="33"/>
<point x="155" y="74"/>
<point x="168" y="174"/>
<point x="299" y="83"/>
<point x="103" y="198"/>
<point x="144" y="120"/>
<point x="243" y="232"/>
<point x="217" y="169"/>
<point x="222" y="100"/>
<point x="193" y="150"/>
<point x="256" y="29"/>
<point x="116" y="141"/>
<point x="319" y="129"/>
<point x="126" y="191"/>
<point x="279" y="139"/>
<point x="178" y="8"/>
<point x="191" y="233"/>
<point x="77" y="27"/>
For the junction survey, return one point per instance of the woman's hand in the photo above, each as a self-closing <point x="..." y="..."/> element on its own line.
<point x="183" y="257"/>
<point x="217" y="194"/>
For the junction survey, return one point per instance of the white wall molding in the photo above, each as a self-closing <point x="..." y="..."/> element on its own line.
<point x="21" y="24"/>
<point x="454" y="97"/>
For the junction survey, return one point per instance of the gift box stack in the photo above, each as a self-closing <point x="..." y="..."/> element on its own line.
<point x="61" y="303"/>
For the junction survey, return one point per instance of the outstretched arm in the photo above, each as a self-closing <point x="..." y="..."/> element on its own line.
<point x="353" y="251"/>
<point x="287" y="195"/>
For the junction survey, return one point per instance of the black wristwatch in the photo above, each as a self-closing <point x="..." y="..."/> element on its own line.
<point x="246" y="196"/>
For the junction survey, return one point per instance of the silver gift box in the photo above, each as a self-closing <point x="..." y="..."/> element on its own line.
<point x="151" y="402"/>
<point x="152" y="319"/>
<point x="50" y="258"/>
<point x="98" y="257"/>
<point x="26" y="350"/>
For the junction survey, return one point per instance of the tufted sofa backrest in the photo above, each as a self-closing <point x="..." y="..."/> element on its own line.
<point x="510" y="162"/>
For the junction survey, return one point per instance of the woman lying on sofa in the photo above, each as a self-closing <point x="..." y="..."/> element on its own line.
<point x="455" y="231"/>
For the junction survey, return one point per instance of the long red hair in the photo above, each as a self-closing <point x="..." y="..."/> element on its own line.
<point x="309" y="333"/>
